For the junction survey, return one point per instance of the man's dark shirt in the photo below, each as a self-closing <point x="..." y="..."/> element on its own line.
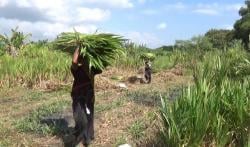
<point x="148" y="68"/>
<point x="83" y="84"/>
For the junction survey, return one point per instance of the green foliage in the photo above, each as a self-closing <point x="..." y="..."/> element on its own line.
<point x="42" y="43"/>
<point x="120" y="140"/>
<point x="214" y="111"/>
<point x="168" y="48"/>
<point x="132" y="57"/>
<point x="5" y="143"/>
<point x="32" y="123"/>
<point x="242" y="26"/>
<point x="137" y="129"/>
<point x="100" y="50"/>
<point x="163" y="50"/>
<point x="219" y="38"/>
<point x="148" y="56"/>
<point x="202" y="43"/>
<point x="33" y="66"/>
<point x="151" y="116"/>
<point x="164" y="62"/>
<point x="2" y="50"/>
<point x="14" y="43"/>
<point x="238" y="65"/>
<point x="184" y="45"/>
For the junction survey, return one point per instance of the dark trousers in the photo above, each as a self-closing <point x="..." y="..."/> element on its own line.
<point x="84" y="122"/>
<point x="148" y="76"/>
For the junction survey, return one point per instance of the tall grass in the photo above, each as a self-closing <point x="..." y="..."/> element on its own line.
<point x="38" y="64"/>
<point x="131" y="58"/>
<point x="170" y="59"/>
<point x="163" y="60"/>
<point x="215" y="111"/>
<point x="33" y="66"/>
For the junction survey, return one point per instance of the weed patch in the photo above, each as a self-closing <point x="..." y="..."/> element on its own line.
<point x="32" y="123"/>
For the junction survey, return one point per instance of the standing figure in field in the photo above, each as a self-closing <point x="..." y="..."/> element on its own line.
<point x="148" y="71"/>
<point x="83" y="98"/>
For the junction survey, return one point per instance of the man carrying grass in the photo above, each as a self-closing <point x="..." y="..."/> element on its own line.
<point x="83" y="98"/>
<point x="148" y="71"/>
<point x="94" y="54"/>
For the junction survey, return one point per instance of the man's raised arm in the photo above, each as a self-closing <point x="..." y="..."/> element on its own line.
<point x="75" y="59"/>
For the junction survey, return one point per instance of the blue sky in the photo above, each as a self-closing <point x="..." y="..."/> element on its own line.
<point x="152" y="22"/>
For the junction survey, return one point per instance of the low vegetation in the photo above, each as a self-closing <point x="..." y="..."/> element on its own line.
<point x="215" y="110"/>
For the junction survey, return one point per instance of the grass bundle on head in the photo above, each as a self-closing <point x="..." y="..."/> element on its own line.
<point x="148" y="56"/>
<point x="99" y="49"/>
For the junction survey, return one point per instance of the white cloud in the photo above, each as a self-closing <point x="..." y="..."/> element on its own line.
<point x="66" y="11"/>
<point x="87" y="14"/>
<point x="222" y="6"/>
<point x="141" y="1"/>
<point x="176" y="6"/>
<point x="206" y="11"/>
<point x="233" y="7"/>
<point x="149" y="12"/>
<point x="216" y="8"/>
<point x="23" y="3"/>
<point x="227" y="27"/>
<point x="151" y="40"/>
<point x="47" y="18"/>
<point x="142" y="38"/>
<point x="43" y="30"/>
<point x="112" y="3"/>
<point x="204" y="8"/>
<point x="162" y="26"/>
<point x="3" y="3"/>
<point x="207" y="6"/>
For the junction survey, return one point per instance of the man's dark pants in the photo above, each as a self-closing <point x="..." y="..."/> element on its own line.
<point x="148" y="75"/>
<point x="84" y="121"/>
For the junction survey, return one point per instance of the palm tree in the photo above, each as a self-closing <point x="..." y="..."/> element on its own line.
<point x="13" y="44"/>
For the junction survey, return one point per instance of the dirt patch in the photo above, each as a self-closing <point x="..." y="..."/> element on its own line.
<point x="133" y="80"/>
<point x="115" y="123"/>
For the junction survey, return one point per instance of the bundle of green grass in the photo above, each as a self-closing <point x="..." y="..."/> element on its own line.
<point x="100" y="50"/>
<point x="148" y="56"/>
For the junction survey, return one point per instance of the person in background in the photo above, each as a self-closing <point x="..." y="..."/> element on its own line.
<point x="148" y="71"/>
<point x="83" y="97"/>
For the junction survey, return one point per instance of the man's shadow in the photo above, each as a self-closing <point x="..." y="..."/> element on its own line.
<point x="62" y="125"/>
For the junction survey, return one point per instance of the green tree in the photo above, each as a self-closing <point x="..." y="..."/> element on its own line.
<point x="242" y="26"/>
<point x="184" y="45"/>
<point x="167" y="48"/>
<point x="163" y="50"/>
<point x="202" y="43"/>
<point x="219" y="38"/>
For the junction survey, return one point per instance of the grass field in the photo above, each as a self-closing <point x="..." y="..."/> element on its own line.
<point x="121" y="116"/>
